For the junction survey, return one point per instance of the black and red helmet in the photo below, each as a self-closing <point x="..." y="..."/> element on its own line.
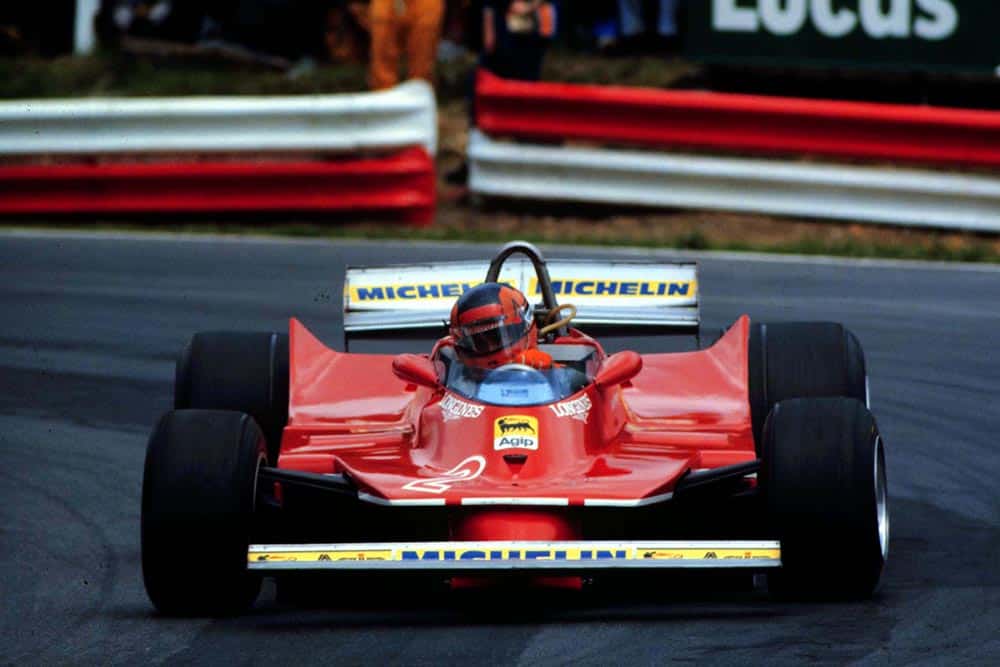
<point x="491" y="324"/>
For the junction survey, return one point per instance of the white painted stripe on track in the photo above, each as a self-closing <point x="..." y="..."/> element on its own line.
<point x="550" y="249"/>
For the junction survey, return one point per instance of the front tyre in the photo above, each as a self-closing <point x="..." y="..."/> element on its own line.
<point x="823" y="480"/>
<point x="802" y="360"/>
<point x="241" y="371"/>
<point x="198" y="495"/>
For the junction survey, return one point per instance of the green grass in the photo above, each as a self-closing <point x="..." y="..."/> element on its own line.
<point x="109" y="74"/>
<point x="647" y="71"/>
<point x="119" y="74"/>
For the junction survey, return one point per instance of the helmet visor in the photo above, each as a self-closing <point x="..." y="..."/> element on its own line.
<point x="492" y="334"/>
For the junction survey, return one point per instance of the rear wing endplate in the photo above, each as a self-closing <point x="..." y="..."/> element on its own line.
<point x="619" y="294"/>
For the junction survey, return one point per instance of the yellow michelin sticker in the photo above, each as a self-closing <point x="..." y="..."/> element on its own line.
<point x="429" y="291"/>
<point x="576" y="287"/>
<point x="515" y="432"/>
<point x="602" y="287"/>
<point x="484" y="553"/>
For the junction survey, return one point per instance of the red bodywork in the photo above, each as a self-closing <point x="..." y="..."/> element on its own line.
<point x="349" y="413"/>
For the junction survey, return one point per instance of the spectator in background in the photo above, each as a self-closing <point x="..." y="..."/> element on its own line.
<point x="37" y="28"/>
<point x="415" y="23"/>
<point x="152" y="19"/>
<point x="516" y="35"/>
<point x="633" y="24"/>
<point x="347" y="35"/>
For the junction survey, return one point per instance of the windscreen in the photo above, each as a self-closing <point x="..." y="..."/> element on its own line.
<point x="515" y="384"/>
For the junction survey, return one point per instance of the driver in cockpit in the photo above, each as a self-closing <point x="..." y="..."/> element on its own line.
<point x="493" y="325"/>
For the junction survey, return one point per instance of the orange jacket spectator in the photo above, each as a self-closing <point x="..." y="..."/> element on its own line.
<point x="398" y="25"/>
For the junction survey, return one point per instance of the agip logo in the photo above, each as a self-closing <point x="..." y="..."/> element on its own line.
<point x="515" y="432"/>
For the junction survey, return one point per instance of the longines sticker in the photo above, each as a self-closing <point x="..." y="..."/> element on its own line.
<point x="453" y="408"/>
<point x="578" y="409"/>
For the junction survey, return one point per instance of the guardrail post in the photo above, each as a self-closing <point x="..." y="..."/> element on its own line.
<point x="84" y="39"/>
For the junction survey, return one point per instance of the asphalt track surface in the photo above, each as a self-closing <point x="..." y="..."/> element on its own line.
<point x="88" y="335"/>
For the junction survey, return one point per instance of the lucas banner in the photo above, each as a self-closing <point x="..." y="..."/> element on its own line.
<point x="957" y="36"/>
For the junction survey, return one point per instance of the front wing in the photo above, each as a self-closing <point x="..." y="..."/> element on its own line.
<point x="516" y="556"/>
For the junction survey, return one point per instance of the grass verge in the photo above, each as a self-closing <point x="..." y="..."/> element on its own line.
<point x="111" y="74"/>
<point x="685" y="234"/>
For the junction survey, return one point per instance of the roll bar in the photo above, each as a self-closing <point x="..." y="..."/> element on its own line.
<point x="530" y="251"/>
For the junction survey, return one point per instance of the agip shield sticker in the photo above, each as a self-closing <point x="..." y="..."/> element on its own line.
<point x="515" y="432"/>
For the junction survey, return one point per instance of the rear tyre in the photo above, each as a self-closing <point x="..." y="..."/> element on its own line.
<point x="823" y="481"/>
<point x="245" y="372"/>
<point x="198" y="496"/>
<point x="802" y="360"/>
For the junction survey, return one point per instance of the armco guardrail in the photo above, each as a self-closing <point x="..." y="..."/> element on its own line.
<point x="737" y="123"/>
<point x="401" y="184"/>
<point x="401" y="117"/>
<point x="904" y="197"/>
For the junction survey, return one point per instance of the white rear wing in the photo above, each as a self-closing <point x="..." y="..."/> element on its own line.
<point x="621" y="294"/>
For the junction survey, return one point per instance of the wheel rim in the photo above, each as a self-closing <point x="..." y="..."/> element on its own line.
<point x="881" y="499"/>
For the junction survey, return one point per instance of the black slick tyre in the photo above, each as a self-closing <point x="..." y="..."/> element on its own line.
<point x="198" y="495"/>
<point x="241" y="371"/>
<point x="823" y="482"/>
<point x="802" y="360"/>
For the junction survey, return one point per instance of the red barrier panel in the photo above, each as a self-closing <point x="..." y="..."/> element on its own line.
<point x="401" y="185"/>
<point x="736" y="123"/>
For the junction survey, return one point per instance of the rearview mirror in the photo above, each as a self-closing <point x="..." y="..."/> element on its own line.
<point x="618" y="369"/>
<point x="416" y="369"/>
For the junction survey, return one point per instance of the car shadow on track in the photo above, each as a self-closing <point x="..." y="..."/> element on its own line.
<point x="387" y="603"/>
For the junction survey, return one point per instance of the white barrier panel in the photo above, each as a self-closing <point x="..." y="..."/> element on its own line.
<point x="889" y="196"/>
<point x="401" y="117"/>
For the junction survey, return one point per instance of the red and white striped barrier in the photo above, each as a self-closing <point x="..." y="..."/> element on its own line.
<point x="368" y="153"/>
<point x="665" y="120"/>
<point x="717" y="122"/>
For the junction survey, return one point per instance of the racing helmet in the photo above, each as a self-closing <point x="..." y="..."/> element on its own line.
<point x="491" y="324"/>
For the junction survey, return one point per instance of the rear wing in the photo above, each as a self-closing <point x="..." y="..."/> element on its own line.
<point x="623" y="295"/>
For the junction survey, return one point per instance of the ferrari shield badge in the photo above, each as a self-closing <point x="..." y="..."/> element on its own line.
<point x="515" y="432"/>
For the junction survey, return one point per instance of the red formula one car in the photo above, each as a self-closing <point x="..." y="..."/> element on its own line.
<point x="756" y="451"/>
